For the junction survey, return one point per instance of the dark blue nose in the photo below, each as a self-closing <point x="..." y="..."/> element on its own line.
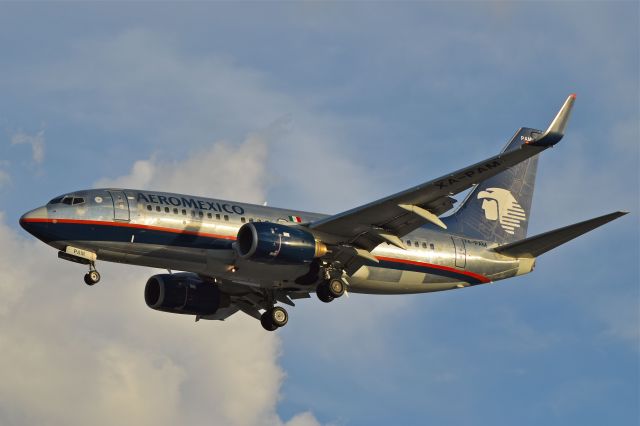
<point x="30" y="221"/>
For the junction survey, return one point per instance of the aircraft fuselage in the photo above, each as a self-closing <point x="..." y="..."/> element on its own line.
<point x="196" y="234"/>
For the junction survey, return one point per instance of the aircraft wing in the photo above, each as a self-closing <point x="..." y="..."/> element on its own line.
<point x="388" y="219"/>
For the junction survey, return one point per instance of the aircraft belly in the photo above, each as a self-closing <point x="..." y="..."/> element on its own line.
<point x="381" y="287"/>
<point x="375" y="280"/>
<point x="155" y="256"/>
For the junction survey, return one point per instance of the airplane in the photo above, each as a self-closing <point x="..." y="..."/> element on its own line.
<point x="254" y="259"/>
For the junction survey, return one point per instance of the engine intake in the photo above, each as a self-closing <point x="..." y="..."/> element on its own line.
<point x="181" y="294"/>
<point x="275" y="243"/>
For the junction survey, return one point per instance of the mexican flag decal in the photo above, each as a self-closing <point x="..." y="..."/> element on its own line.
<point x="296" y="219"/>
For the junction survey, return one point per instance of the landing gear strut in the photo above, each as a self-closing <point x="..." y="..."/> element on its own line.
<point x="274" y="318"/>
<point x="92" y="277"/>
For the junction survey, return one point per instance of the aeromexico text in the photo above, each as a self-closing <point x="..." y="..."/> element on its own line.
<point x="191" y="203"/>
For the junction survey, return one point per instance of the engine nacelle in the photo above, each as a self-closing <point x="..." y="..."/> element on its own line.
<point x="275" y="243"/>
<point x="182" y="293"/>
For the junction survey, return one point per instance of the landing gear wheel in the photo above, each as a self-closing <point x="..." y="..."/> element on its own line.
<point x="279" y="316"/>
<point x="266" y="322"/>
<point x="336" y="288"/>
<point x="92" y="277"/>
<point x="322" y="291"/>
<point x="274" y="318"/>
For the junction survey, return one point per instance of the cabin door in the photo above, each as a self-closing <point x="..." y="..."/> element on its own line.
<point x="461" y="252"/>
<point x="120" y="206"/>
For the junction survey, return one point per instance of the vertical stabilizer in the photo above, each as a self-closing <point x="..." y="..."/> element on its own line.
<point x="499" y="208"/>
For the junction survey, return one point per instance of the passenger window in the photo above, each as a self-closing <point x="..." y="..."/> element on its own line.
<point x="250" y="219"/>
<point x="193" y="214"/>
<point x="416" y="244"/>
<point x="201" y="214"/>
<point x="218" y="217"/>
<point x="184" y="212"/>
<point x="409" y="243"/>
<point x="175" y="211"/>
<point x="243" y="220"/>
<point x="166" y="209"/>
<point x="432" y="246"/>
<point x="209" y="215"/>
<point x="226" y="217"/>
<point x="158" y="208"/>
<point x="149" y="207"/>
<point x="424" y="245"/>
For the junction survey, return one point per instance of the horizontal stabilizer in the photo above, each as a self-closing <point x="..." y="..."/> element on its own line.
<point x="542" y="243"/>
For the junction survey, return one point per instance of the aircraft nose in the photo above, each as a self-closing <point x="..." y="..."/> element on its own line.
<point x="34" y="216"/>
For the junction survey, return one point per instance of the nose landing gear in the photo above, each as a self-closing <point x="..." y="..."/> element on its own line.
<point x="92" y="277"/>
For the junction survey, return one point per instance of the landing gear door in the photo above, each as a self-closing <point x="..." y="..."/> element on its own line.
<point x="120" y="206"/>
<point x="461" y="252"/>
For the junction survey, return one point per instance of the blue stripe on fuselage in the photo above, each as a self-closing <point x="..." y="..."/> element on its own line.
<point x="49" y="232"/>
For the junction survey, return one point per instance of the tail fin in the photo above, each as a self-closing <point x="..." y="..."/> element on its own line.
<point x="498" y="208"/>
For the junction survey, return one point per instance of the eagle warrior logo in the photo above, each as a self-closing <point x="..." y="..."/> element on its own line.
<point x="499" y="204"/>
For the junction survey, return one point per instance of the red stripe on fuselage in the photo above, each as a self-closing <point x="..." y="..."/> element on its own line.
<point x="478" y="277"/>
<point x="131" y="225"/>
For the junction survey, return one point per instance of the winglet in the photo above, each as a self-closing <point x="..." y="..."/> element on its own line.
<point x="556" y="129"/>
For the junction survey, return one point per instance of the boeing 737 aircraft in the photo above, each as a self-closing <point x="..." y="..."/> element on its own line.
<point x="249" y="258"/>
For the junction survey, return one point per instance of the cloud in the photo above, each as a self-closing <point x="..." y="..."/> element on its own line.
<point x="174" y="102"/>
<point x="150" y="89"/>
<point x="222" y="170"/>
<point x="5" y="178"/>
<point x="35" y="141"/>
<point x="106" y="351"/>
<point x="76" y="355"/>
<point x="303" y="419"/>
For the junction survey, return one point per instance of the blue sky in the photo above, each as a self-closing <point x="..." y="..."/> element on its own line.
<point x="322" y="107"/>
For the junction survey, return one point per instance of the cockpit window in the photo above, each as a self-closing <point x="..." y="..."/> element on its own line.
<point x="56" y="200"/>
<point x="68" y="200"/>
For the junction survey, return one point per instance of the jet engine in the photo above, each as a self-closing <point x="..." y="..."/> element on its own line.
<point x="274" y="243"/>
<point x="182" y="293"/>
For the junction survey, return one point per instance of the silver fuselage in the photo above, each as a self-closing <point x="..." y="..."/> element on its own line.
<point x="196" y="234"/>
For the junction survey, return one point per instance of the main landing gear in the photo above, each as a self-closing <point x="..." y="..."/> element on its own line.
<point x="274" y="318"/>
<point x="330" y="289"/>
<point x="92" y="277"/>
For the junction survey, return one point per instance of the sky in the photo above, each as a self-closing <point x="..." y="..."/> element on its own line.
<point x="320" y="106"/>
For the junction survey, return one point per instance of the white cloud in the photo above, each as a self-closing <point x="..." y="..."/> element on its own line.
<point x="78" y="355"/>
<point x="5" y="178"/>
<point x="145" y="84"/>
<point x="35" y="141"/>
<point x="303" y="419"/>
<point x="106" y="350"/>
<point x="75" y="355"/>
<point x="222" y="170"/>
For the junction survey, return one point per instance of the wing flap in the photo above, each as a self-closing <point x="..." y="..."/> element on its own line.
<point x="542" y="243"/>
